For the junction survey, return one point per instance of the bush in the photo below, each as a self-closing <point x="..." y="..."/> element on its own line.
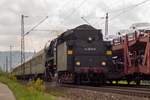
<point x="12" y="77"/>
<point x="23" y="93"/>
<point x="3" y="72"/>
<point x="37" y="85"/>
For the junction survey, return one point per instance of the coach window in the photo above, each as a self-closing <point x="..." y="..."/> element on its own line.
<point x="34" y="62"/>
<point x="41" y="58"/>
<point x="37" y="60"/>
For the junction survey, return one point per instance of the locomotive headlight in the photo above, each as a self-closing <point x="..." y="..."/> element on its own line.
<point x="103" y="63"/>
<point x="78" y="63"/>
<point x="90" y="39"/>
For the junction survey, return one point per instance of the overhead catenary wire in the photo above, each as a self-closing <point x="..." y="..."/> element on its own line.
<point x="36" y="26"/>
<point x="75" y="10"/>
<point x="31" y="41"/>
<point x="123" y="10"/>
<point x="85" y="20"/>
<point x="128" y="9"/>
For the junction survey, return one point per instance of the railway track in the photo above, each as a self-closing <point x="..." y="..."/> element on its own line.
<point x="131" y="91"/>
<point x="141" y="91"/>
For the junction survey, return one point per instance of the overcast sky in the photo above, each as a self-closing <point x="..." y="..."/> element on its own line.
<point x="64" y="14"/>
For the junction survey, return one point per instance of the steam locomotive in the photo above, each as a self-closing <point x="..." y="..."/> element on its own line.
<point x="77" y="55"/>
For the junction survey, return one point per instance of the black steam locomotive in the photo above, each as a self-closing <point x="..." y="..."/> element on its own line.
<point x="79" y="55"/>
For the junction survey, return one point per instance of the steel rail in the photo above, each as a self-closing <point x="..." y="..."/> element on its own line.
<point x="141" y="92"/>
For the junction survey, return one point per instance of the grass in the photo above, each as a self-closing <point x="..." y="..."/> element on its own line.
<point x="22" y="92"/>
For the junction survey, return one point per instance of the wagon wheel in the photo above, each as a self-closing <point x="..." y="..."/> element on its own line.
<point x="77" y="79"/>
<point x="48" y="76"/>
<point x="128" y="82"/>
